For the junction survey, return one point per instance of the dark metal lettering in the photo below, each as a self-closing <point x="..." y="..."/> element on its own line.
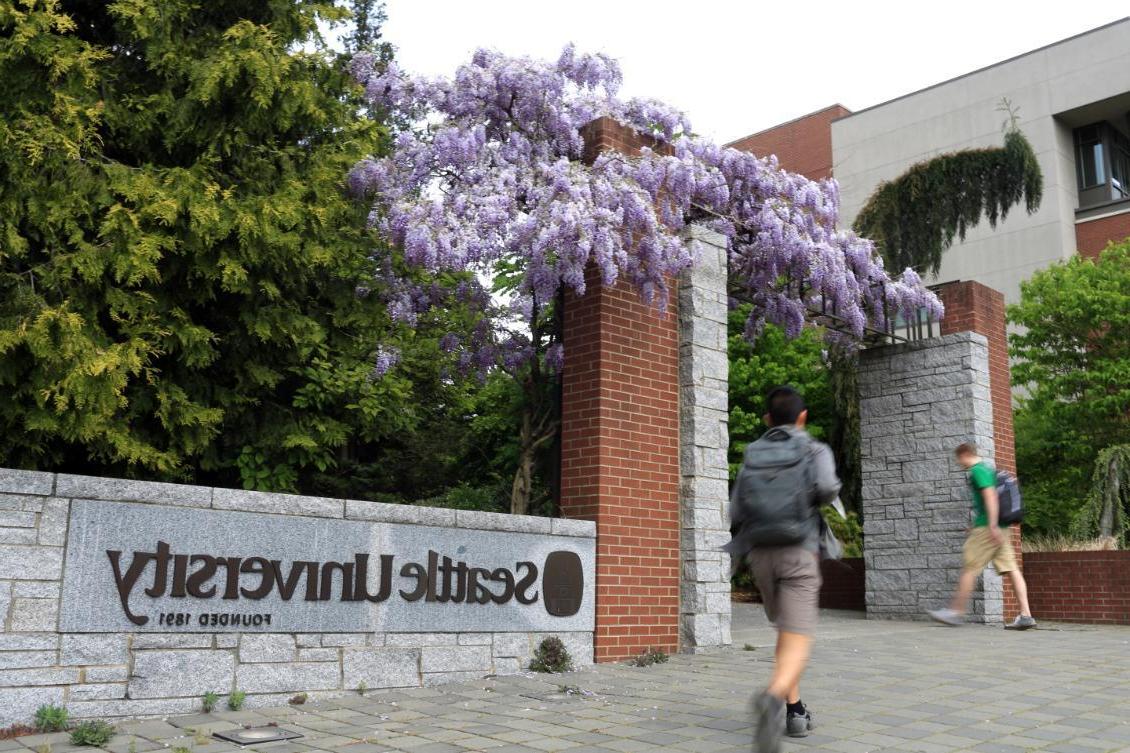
<point x="524" y="584"/>
<point x="417" y="571"/>
<point x="506" y="578"/>
<point x="261" y="567"/>
<point x="125" y="584"/>
<point x="204" y="574"/>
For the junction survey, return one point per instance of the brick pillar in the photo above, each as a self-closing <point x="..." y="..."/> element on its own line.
<point x="971" y="306"/>
<point x="620" y="447"/>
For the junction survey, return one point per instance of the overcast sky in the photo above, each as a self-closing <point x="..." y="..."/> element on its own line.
<point x="739" y="67"/>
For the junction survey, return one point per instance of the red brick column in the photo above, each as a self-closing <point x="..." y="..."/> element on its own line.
<point x="971" y="306"/>
<point x="620" y="449"/>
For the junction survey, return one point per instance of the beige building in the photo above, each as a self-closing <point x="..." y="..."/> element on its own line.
<point x="1073" y="103"/>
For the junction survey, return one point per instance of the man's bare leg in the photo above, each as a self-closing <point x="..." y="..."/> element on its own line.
<point x="1020" y="587"/>
<point x="964" y="590"/>
<point x="793" y="650"/>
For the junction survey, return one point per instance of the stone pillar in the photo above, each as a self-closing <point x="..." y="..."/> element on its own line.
<point x="917" y="402"/>
<point x="703" y="444"/>
<point x="974" y="307"/>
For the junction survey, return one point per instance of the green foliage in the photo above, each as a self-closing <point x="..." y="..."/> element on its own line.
<point x="649" y="657"/>
<point x="236" y="699"/>
<point x="848" y="530"/>
<point x="1107" y="512"/>
<point x="51" y="718"/>
<point x="843" y="434"/>
<point x="1072" y="355"/>
<point x="95" y="733"/>
<point x="551" y="656"/>
<point x="770" y="362"/>
<point x="211" y="698"/>
<point x="914" y="218"/>
<point x="178" y="259"/>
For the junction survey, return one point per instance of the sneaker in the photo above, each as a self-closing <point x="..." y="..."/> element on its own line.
<point x="769" y="723"/>
<point x="799" y="725"/>
<point x="947" y="617"/>
<point x="1022" y="622"/>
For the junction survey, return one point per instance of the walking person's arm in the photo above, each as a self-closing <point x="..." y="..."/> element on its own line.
<point x="826" y="481"/>
<point x="992" y="505"/>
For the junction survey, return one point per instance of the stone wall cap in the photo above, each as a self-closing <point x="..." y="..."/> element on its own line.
<point x="132" y="490"/>
<point x="16" y="481"/>
<point x="279" y="504"/>
<point x="385" y="512"/>
<point x="941" y="341"/>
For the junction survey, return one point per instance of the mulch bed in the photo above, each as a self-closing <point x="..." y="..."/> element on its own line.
<point x="17" y="730"/>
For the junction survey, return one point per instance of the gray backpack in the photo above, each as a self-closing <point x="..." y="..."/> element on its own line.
<point x="774" y="492"/>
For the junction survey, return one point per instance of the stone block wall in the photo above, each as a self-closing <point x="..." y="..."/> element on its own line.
<point x="971" y="306"/>
<point x="147" y="673"/>
<point x="704" y="437"/>
<point x="917" y="402"/>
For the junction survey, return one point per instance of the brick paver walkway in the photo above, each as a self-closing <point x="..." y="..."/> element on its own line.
<point x="874" y="686"/>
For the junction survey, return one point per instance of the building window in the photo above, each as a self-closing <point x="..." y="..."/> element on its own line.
<point x="1089" y="160"/>
<point x="1120" y="165"/>
<point x="1102" y="164"/>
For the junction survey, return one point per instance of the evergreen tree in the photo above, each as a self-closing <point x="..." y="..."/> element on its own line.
<point x="179" y="263"/>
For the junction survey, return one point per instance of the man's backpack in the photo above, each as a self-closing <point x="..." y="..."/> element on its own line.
<point x="1010" y="508"/>
<point x="774" y="491"/>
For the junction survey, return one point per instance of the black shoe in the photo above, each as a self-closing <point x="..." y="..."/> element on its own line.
<point x="799" y="725"/>
<point x="769" y="723"/>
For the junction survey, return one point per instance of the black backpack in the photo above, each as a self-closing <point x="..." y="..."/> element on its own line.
<point x="774" y="492"/>
<point x="1010" y="508"/>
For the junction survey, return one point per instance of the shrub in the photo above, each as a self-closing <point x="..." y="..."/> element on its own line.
<point x="649" y="657"/>
<point x="210" y="700"/>
<point x="551" y="656"/>
<point x="95" y="733"/>
<point x="236" y="699"/>
<point x="51" y="718"/>
<point x="1062" y="543"/>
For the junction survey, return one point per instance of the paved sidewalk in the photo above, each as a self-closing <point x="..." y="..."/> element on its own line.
<point x="873" y="686"/>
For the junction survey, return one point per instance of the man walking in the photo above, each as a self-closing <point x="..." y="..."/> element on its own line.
<point x="986" y="543"/>
<point x="774" y="510"/>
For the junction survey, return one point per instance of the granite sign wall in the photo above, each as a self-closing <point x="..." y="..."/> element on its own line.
<point x="123" y="598"/>
<point x="146" y="568"/>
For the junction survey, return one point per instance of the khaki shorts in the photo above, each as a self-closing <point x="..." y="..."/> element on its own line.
<point x="788" y="578"/>
<point x="980" y="550"/>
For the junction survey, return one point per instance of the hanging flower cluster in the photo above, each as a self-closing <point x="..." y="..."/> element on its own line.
<point x="489" y="179"/>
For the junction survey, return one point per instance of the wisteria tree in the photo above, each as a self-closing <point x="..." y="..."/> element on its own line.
<point x="487" y="181"/>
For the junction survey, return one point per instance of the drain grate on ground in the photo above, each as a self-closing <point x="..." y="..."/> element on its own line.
<point x="253" y="735"/>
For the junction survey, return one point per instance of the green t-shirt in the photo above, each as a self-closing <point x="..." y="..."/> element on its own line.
<point x="981" y="477"/>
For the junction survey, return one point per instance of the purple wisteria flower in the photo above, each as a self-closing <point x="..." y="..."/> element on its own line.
<point x="489" y="180"/>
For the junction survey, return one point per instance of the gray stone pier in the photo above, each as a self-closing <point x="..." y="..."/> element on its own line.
<point x="917" y="402"/>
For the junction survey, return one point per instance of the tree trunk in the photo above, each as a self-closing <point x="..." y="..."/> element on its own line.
<point x="1110" y="498"/>
<point x="523" y="477"/>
